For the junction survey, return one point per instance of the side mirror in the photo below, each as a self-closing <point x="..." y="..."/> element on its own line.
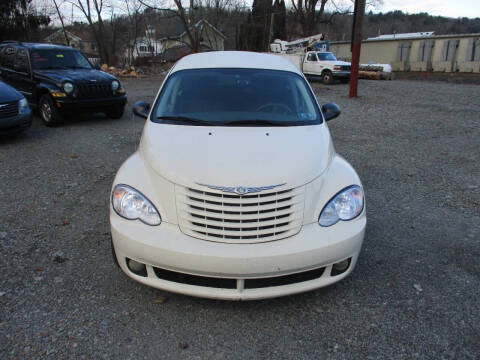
<point x="142" y="109"/>
<point x="330" y="111"/>
<point x="19" y="67"/>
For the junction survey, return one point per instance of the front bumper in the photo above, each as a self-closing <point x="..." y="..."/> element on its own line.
<point x="90" y="105"/>
<point x="341" y="74"/>
<point x="165" y="247"/>
<point x="15" y="123"/>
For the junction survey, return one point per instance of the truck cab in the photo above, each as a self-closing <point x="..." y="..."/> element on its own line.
<point x="326" y="65"/>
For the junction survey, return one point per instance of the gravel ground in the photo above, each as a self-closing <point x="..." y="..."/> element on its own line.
<point x="414" y="293"/>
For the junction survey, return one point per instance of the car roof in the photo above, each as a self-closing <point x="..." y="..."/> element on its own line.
<point x="37" y="46"/>
<point x="235" y="59"/>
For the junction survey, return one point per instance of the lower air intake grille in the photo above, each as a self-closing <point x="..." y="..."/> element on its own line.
<point x="8" y="110"/>
<point x="225" y="217"/>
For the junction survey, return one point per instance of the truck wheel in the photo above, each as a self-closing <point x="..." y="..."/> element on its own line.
<point x="327" y="77"/>
<point x="115" y="113"/>
<point x="48" y="112"/>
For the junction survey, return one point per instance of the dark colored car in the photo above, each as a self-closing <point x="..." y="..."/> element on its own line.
<point x="15" y="114"/>
<point x="59" y="80"/>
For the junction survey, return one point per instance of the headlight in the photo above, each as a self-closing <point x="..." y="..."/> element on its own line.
<point x="346" y="205"/>
<point x="115" y="85"/>
<point x="337" y="68"/>
<point x="68" y="87"/>
<point x="23" y="106"/>
<point x="132" y="205"/>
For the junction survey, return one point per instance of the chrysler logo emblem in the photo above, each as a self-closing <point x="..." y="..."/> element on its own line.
<point x="241" y="190"/>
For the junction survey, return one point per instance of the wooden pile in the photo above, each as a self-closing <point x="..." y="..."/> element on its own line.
<point x="373" y="72"/>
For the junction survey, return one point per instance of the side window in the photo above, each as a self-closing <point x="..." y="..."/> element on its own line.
<point x="21" y="61"/>
<point x="8" y="57"/>
<point x="312" y="57"/>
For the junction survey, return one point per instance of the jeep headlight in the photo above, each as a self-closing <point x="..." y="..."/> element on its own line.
<point x="23" y="106"/>
<point x="133" y="205"/>
<point x="68" y="87"/>
<point x="115" y="85"/>
<point x="346" y="205"/>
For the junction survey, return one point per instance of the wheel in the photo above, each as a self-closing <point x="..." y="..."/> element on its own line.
<point x="327" y="77"/>
<point x="115" y="113"/>
<point x="48" y="112"/>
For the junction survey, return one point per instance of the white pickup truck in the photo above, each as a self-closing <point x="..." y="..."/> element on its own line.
<point x="321" y="64"/>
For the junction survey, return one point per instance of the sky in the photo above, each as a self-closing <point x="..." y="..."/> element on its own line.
<point x="449" y="8"/>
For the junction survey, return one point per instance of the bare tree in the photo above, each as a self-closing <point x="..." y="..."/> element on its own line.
<point x="60" y="15"/>
<point x="189" y="16"/>
<point x="133" y="10"/>
<point x="92" y="10"/>
<point x="311" y="12"/>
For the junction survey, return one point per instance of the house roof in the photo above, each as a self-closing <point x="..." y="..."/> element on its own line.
<point x="179" y="30"/>
<point x="235" y="59"/>
<point x="60" y="32"/>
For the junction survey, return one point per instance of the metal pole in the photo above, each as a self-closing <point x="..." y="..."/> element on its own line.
<point x="359" y="11"/>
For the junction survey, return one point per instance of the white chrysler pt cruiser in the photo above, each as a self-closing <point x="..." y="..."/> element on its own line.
<point x="236" y="191"/>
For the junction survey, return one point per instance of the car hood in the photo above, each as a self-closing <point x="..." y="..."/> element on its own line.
<point x="76" y="75"/>
<point x="338" y="62"/>
<point x="237" y="156"/>
<point x="8" y="94"/>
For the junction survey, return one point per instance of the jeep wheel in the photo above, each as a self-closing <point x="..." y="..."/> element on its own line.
<point x="49" y="114"/>
<point x="115" y="113"/>
<point x="327" y="77"/>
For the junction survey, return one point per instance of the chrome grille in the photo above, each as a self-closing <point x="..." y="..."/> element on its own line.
<point x="225" y="217"/>
<point x="91" y="91"/>
<point x="8" y="110"/>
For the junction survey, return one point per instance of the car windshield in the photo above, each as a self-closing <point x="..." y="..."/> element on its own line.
<point x="326" y="56"/>
<point x="236" y="97"/>
<point x="59" y="59"/>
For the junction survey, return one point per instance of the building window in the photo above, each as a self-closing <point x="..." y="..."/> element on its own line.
<point x="143" y="48"/>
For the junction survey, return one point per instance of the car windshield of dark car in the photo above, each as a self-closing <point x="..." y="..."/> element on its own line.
<point x="236" y="97"/>
<point x="326" y="56"/>
<point x="58" y="59"/>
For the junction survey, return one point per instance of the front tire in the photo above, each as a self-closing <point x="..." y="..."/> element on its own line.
<point x="115" y="113"/>
<point x="327" y="77"/>
<point x="48" y="112"/>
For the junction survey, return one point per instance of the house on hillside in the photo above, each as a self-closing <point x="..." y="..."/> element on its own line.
<point x="147" y="45"/>
<point x="211" y="39"/>
<point x="174" y="42"/>
<point x="82" y="40"/>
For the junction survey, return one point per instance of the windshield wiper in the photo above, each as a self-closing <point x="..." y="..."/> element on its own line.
<point x="78" y="67"/>
<point x="256" y="122"/>
<point x="188" y="120"/>
<point x="54" y="67"/>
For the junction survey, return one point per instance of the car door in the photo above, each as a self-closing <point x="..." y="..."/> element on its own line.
<point x="21" y="75"/>
<point x="310" y="65"/>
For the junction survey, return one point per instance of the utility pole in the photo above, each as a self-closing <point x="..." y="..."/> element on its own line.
<point x="359" y="11"/>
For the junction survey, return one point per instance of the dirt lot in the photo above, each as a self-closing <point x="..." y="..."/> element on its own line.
<point x="414" y="293"/>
